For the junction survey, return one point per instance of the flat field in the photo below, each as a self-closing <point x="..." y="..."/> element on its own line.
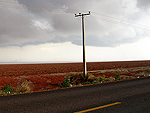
<point x="47" y="76"/>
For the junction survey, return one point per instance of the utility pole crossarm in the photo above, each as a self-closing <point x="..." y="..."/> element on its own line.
<point x="83" y="30"/>
<point x="80" y="14"/>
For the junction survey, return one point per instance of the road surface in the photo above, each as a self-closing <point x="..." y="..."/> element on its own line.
<point x="131" y="94"/>
<point x="133" y="104"/>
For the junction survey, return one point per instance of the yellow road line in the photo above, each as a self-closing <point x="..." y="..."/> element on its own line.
<point x="92" y="109"/>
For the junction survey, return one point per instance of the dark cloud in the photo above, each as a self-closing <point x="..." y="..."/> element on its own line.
<point x="18" y="28"/>
<point x="53" y="21"/>
<point x="144" y="4"/>
<point x="14" y="26"/>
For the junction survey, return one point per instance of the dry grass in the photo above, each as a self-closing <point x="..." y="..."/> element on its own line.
<point x="1" y="92"/>
<point x="25" y="86"/>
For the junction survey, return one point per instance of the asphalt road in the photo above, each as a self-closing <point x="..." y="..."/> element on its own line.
<point x="134" y="104"/>
<point x="134" y="96"/>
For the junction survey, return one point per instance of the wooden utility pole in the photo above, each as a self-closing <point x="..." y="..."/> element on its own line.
<point x="83" y="33"/>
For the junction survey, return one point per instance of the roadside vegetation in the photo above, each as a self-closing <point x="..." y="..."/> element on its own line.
<point x="7" y="90"/>
<point x="75" y="79"/>
<point x="22" y="87"/>
<point x="78" y="79"/>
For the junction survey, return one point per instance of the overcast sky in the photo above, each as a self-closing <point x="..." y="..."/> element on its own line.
<point x="48" y="31"/>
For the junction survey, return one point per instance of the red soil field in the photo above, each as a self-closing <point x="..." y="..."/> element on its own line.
<point x="47" y="76"/>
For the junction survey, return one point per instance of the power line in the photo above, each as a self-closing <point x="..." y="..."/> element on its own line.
<point x="101" y="17"/>
<point x="120" y="19"/>
<point x="40" y="6"/>
<point x="120" y="22"/>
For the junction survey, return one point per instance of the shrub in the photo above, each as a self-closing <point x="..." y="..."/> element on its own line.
<point x="86" y="83"/>
<point x="117" y="77"/>
<point x="60" y="85"/>
<point x="102" y="79"/>
<point x="77" y="78"/>
<point x="66" y="82"/>
<point x="97" y="82"/>
<point x="7" y="89"/>
<point x="148" y="72"/>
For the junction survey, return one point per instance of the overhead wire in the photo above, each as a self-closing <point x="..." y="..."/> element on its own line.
<point x="95" y="15"/>
<point x="120" y="21"/>
<point x="17" y="6"/>
<point x="40" y="6"/>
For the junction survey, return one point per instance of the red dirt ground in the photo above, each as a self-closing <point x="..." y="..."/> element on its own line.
<point x="47" y="76"/>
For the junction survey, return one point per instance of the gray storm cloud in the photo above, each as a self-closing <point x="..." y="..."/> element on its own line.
<point x="53" y="21"/>
<point x="17" y="25"/>
<point x="143" y="4"/>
